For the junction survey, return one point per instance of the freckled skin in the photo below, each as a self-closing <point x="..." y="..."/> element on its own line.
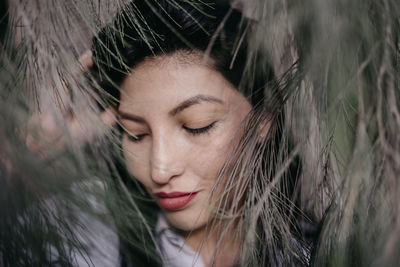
<point x="167" y="157"/>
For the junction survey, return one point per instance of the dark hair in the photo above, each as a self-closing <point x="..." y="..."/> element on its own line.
<point x="151" y="28"/>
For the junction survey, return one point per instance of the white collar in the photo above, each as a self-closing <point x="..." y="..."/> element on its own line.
<point x="175" y="252"/>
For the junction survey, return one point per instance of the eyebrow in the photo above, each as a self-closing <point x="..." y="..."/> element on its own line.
<point x="193" y="101"/>
<point x="131" y="117"/>
<point x="185" y="104"/>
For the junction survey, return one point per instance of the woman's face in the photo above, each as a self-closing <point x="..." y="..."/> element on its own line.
<point x="182" y="121"/>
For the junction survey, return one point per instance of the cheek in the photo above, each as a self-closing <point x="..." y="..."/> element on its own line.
<point x="210" y="159"/>
<point x="135" y="160"/>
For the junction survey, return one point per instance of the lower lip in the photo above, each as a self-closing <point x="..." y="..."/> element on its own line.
<point x="176" y="203"/>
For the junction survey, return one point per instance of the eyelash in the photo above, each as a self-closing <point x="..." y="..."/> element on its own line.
<point x="196" y="131"/>
<point x="136" y="139"/>
<point x="199" y="130"/>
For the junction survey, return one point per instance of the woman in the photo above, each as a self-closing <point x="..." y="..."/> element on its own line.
<point x="343" y="116"/>
<point x="199" y="134"/>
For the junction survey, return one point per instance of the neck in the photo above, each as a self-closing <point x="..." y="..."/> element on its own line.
<point x="217" y="245"/>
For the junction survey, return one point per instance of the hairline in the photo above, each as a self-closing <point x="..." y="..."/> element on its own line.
<point x="181" y="57"/>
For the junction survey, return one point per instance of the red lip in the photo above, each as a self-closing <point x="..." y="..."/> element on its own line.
<point x="175" y="200"/>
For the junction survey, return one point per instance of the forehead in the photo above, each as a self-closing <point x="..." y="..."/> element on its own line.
<point x="164" y="81"/>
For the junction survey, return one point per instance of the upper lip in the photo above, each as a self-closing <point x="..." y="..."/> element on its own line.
<point x="173" y="194"/>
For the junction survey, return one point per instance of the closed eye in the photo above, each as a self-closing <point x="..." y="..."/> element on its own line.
<point x="197" y="131"/>
<point x="136" y="138"/>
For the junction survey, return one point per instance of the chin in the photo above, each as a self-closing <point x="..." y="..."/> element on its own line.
<point x="188" y="220"/>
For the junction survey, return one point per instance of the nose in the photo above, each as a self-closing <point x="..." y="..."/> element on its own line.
<point x="165" y="160"/>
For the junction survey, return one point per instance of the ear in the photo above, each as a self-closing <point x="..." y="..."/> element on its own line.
<point x="266" y="128"/>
